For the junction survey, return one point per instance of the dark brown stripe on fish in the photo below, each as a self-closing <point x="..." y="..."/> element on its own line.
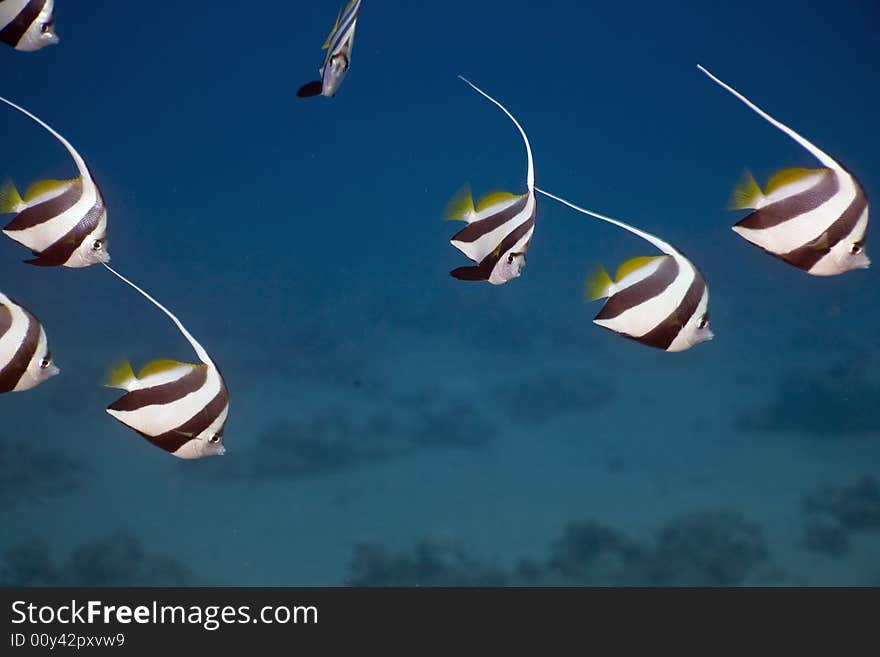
<point x="5" y="319"/>
<point x="476" y="229"/>
<point x="788" y="208"/>
<point x="59" y="253"/>
<point x="11" y="373"/>
<point x="483" y="271"/>
<point x="642" y="291"/>
<point x="164" y="393"/>
<point x="47" y="210"/>
<point x="176" y="438"/>
<point x="807" y="256"/>
<point x="664" y="334"/>
<point x="13" y="32"/>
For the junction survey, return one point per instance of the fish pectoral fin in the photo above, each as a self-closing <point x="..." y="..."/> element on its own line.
<point x="120" y="376"/>
<point x="673" y="320"/>
<point x="10" y="199"/>
<point x="821" y="243"/>
<point x="461" y="207"/>
<point x="598" y="284"/>
<point x="310" y="89"/>
<point x="747" y="194"/>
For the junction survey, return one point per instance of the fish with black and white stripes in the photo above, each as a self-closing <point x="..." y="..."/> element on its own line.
<point x="813" y="219"/>
<point x="659" y="301"/>
<point x="499" y="227"/>
<point x="338" y="59"/>
<point x="27" y="25"/>
<point x="25" y="359"/>
<point x="63" y="222"/>
<point x="179" y="407"/>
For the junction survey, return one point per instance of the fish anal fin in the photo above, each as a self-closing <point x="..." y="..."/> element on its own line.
<point x="633" y="264"/>
<point x="786" y="176"/>
<point x="42" y="187"/>
<point x="310" y="89"/>
<point x="161" y="365"/>
<point x="10" y="199"/>
<point x="494" y="198"/>
<point x="747" y="193"/>
<point x="469" y="274"/>
<point x="461" y="206"/>
<point x="121" y="376"/>
<point x="598" y="284"/>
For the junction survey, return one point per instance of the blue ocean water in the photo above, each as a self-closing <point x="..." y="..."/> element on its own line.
<point x="388" y="423"/>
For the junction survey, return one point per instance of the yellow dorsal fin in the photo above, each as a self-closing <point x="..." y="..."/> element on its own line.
<point x="461" y="206"/>
<point x="120" y="375"/>
<point x="494" y="198"/>
<point x="161" y="365"/>
<point x="44" y="187"/>
<point x="633" y="264"/>
<point x="786" y="176"/>
<point x="746" y="194"/>
<point x="597" y="284"/>
<point x="10" y="199"/>
<point x="333" y="31"/>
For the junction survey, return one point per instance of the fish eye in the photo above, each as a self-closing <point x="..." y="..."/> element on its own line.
<point x="510" y="259"/>
<point x="855" y="249"/>
<point x="45" y="27"/>
<point x="97" y="245"/>
<point x="47" y="360"/>
<point x="704" y="321"/>
<point x="216" y="438"/>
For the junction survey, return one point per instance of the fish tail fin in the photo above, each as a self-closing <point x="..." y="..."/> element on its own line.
<point x="10" y="199"/>
<point x="120" y="375"/>
<point x="598" y="285"/>
<point x="461" y="206"/>
<point x="310" y="89"/>
<point x="747" y="193"/>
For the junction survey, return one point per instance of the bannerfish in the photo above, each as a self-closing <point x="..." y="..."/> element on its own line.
<point x="660" y="301"/>
<point x="63" y="222"/>
<point x="813" y="219"/>
<point x="499" y="227"/>
<point x="27" y="24"/>
<point x="25" y="359"/>
<point x="338" y="59"/>
<point x="180" y="407"/>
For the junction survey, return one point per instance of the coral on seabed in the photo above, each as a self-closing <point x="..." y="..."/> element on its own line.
<point x="117" y="559"/>
<point x="28" y="472"/>
<point x="833" y="512"/>
<point x="839" y="401"/>
<point x="711" y="548"/>
<point x="432" y="563"/>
